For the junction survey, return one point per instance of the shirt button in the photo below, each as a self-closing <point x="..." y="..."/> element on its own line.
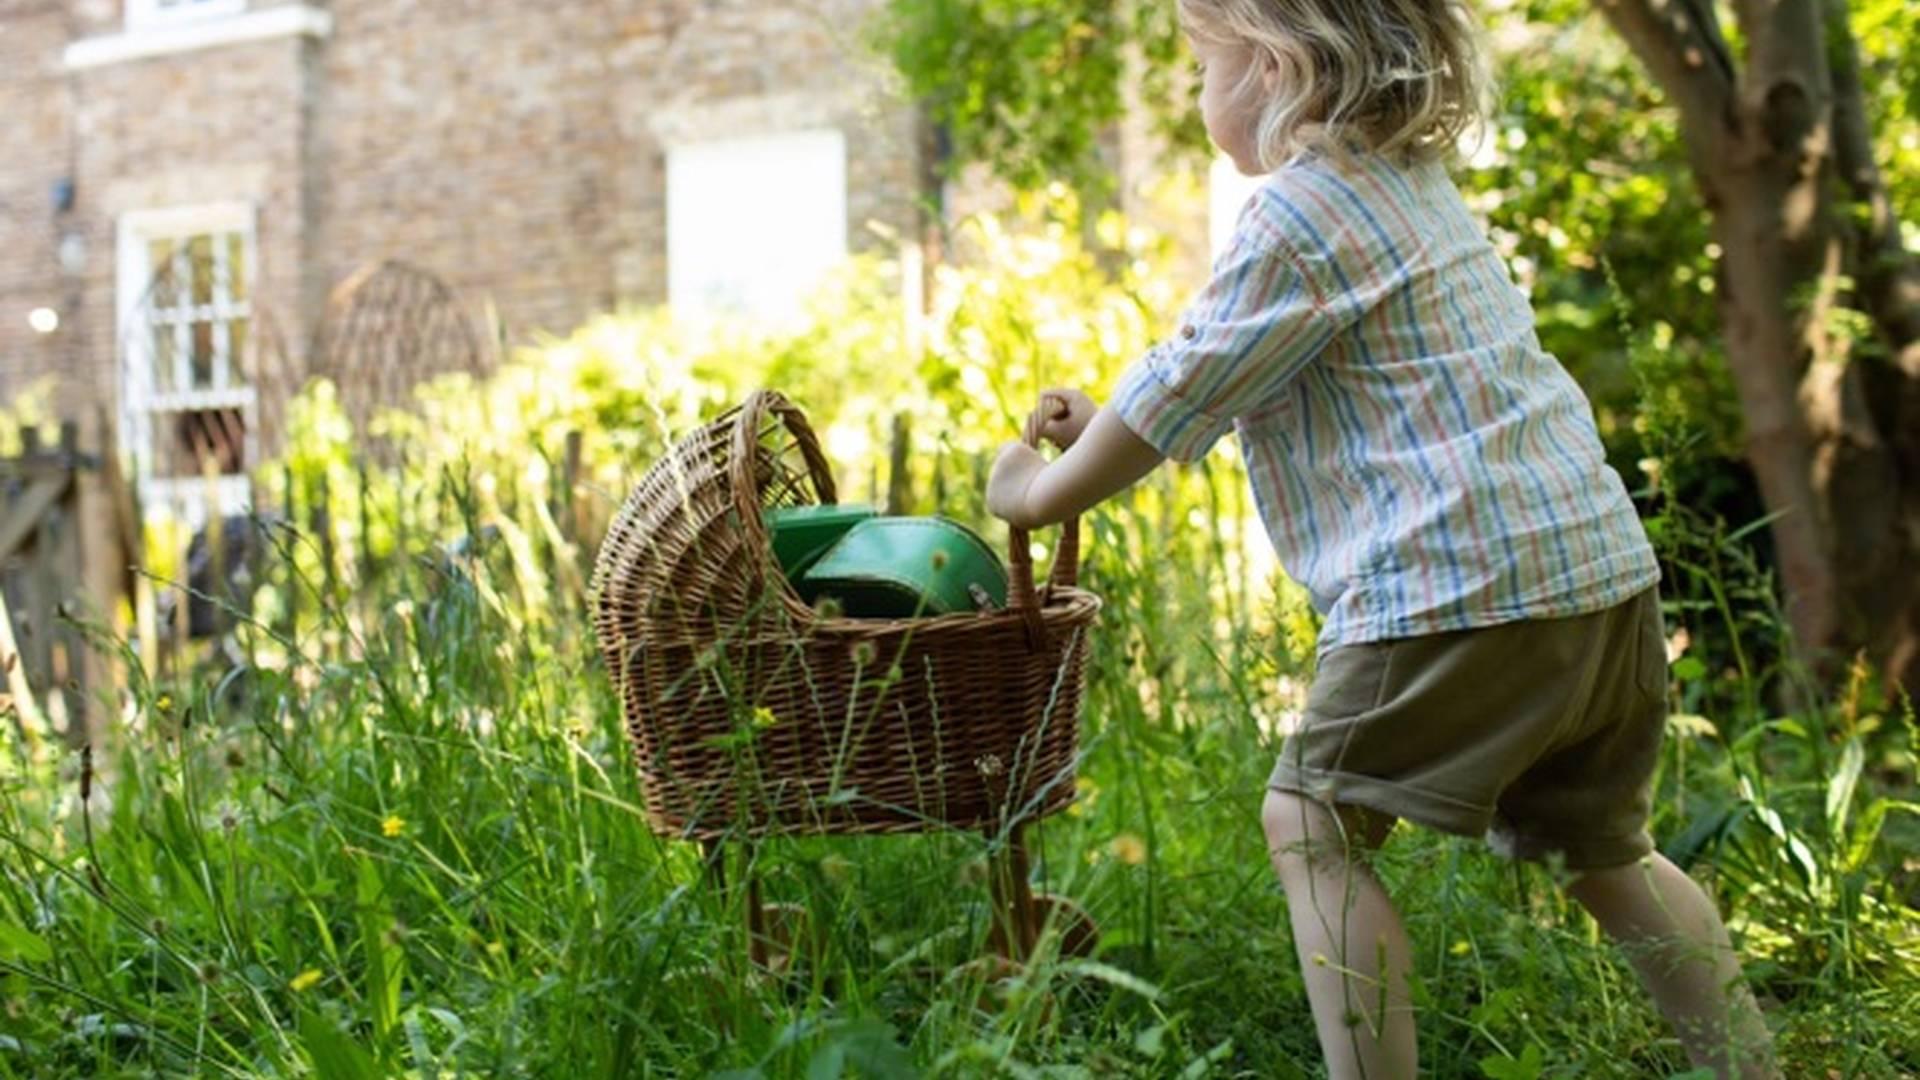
<point x="1188" y="332"/>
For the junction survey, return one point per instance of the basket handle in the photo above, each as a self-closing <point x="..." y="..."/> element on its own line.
<point x="1021" y="595"/>
<point x="750" y="419"/>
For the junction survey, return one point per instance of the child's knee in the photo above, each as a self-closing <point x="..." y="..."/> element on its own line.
<point x="1303" y="833"/>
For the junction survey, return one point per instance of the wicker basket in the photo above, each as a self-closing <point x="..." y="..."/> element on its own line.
<point x="751" y="713"/>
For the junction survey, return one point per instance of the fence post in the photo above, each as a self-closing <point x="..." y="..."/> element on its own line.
<point x="363" y="573"/>
<point x="289" y="547"/>
<point x="568" y="512"/>
<point x="322" y="513"/>
<point x="104" y="577"/>
<point x="899" y="472"/>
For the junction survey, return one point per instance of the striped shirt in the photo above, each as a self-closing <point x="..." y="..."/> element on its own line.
<point x="1419" y="461"/>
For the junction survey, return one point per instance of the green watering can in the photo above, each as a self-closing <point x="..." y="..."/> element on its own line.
<point x="801" y="534"/>
<point x="887" y="567"/>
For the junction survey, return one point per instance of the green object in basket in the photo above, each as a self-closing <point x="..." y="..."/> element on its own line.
<point x="801" y="534"/>
<point x="898" y="567"/>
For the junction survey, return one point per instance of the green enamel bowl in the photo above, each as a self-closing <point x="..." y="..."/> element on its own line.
<point x="899" y="567"/>
<point x="801" y="534"/>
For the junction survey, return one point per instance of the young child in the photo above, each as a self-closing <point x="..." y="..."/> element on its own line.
<point x="1492" y="660"/>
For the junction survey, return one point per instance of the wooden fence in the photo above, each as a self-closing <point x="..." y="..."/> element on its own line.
<point x="60" y="576"/>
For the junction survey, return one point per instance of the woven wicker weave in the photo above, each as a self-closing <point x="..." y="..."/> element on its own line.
<point x="750" y="713"/>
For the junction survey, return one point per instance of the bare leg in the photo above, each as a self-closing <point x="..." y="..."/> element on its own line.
<point x="1671" y="933"/>
<point x="1353" y="949"/>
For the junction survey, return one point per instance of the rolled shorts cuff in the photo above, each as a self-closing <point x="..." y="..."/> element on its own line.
<point x="1590" y="853"/>
<point x="1415" y="805"/>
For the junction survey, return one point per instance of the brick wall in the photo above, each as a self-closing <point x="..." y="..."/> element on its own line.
<point x="516" y="150"/>
<point x="35" y="138"/>
<point x="532" y="170"/>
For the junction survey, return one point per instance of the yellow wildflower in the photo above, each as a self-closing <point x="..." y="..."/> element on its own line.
<point x="304" y="981"/>
<point x="1129" y="849"/>
<point x="393" y="826"/>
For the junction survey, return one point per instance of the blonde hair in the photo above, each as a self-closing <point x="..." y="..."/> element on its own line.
<point x="1400" y="77"/>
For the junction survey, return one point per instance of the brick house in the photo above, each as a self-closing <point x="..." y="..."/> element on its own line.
<point x="183" y="182"/>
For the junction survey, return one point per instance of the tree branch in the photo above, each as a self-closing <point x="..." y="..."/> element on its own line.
<point x="1688" y="57"/>
<point x="1785" y="39"/>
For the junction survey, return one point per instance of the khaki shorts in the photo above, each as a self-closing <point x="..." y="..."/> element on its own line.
<point x="1540" y="735"/>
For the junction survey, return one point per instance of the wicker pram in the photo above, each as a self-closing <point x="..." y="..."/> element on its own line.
<point x="752" y="713"/>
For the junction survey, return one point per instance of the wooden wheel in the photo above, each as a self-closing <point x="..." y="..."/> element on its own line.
<point x="1079" y="934"/>
<point x="1019" y="915"/>
<point x="782" y="934"/>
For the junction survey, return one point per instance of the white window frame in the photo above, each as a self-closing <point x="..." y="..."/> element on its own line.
<point x="142" y="14"/>
<point x="687" y="158"/>
<point x="208" y="25"/>
<point x="140" y="400"/>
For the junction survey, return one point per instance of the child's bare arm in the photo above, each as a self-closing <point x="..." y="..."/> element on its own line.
<point x="1103" y="460"/>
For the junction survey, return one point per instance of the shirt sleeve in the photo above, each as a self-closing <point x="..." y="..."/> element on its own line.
<point x="1252" y="328"/>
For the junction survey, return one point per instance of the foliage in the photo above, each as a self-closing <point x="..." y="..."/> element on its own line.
<point x="1031" y="89"/>
<point x="1890" y="74"/>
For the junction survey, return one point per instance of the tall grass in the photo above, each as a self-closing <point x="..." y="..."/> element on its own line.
<point x="413" y="845"/>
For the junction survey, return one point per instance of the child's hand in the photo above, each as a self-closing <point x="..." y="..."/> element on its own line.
<point x="1064" y="414"/>
<point x="1013" y="474"/>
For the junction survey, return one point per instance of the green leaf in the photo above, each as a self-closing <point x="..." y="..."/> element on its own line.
<point x="1113" y="976"/>
<point x="1527" y="1066"/>
<point x="1841" y="786"/>
<point x="1204" y="1064"/>
<point x="872" y="1048"/>
<point x="335" y="1056"/>
<point x="1705" y="829"/>
<point x="384" y="959"/>
<point x="19" y="943"/>
<point x="1689" y="669"/>
<point x="828" y="1063"/>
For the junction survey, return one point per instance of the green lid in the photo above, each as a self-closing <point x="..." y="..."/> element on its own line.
<point x="898" y="567"/>
<point x="802" y="534"/>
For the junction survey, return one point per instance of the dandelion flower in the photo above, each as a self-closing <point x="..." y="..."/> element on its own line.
<point x="393" y="826"/>
<point x="763" y="717"/>
<point x="1129" y="849"/>
<point x="304" y="981"/>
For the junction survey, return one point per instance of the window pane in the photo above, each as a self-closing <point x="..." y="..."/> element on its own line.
<point x="202" y="355"/>
<point x="730" y="248"/>
<point x="236" y="267"/>
<point x="203" y="439"/>
<point x="163" y="356"/>
<point x="200" y="254"/>
<point x="162" y="275"/>
<point x="239" y="364"/>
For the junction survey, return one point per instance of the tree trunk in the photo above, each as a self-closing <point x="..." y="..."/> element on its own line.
<point x="1889" y="382"/>
<point x="1833" y="431"/>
